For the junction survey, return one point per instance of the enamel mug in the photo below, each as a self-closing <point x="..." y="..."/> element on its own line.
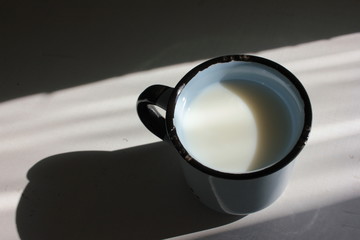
<point x="227" y="191"/>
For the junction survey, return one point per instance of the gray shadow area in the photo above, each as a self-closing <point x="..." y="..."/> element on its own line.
<point x="134" y="193"/>
<point x="273" y="121"/>
<point x="50" y="45"/>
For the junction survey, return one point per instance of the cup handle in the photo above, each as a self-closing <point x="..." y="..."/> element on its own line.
<point x="155" y="95"/>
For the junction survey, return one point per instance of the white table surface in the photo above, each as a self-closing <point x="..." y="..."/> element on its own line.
<point x="76" y="162"/>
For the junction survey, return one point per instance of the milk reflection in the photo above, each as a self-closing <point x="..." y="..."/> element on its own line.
<point x="219" y="129"/>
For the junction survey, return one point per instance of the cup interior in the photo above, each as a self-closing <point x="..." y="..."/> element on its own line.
<point x="243" y="71"/>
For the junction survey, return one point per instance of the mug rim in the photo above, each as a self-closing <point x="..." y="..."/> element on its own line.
<point x="172" y="133"/>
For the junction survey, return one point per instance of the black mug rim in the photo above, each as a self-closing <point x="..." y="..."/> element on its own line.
<point x="172" y="133"/>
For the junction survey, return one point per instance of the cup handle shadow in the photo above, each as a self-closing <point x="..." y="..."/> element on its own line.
<point x="134" y="193"/>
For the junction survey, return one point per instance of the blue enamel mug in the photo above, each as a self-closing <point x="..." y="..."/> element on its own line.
<point x="237" y="122"/>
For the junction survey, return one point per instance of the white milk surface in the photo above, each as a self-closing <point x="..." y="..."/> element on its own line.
<point x="236" y="126"/>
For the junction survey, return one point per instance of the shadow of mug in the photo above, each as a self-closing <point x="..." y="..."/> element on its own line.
<point x="134" y="193"/>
